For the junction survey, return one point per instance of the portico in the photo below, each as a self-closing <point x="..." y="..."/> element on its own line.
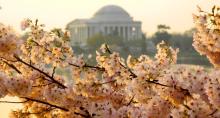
<point x="109" y="20"/>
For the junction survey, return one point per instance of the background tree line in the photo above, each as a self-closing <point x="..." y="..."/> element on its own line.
<point x="147" y="45"/>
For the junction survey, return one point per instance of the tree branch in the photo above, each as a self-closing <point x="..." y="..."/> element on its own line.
<point x="213" y="112"/>
<point x="41" y="85"/>
<point x="54" y="69"/>
<point x="88" y="66"/>
<point x="131" y="100"/>
<point x="186" y="106"/>
<point x="84" y="66"/>
<point x="157" y="83"/>
<point x="14" y="102"/>
<point x="46" y="103"/>
<point x="186" y="92"/>
<point x="44" y="111"/>
<point x="7" y="59"/>
<point x="44" y="73"/>
<point x="131" y="72"/>
<point x="11" y="65"/>
<point x="83" y="115"/>
<point x="107" y="49"/>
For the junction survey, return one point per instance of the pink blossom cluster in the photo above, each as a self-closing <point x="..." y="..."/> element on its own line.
<point x="207" y="36"/>
<point x="9" y="41"/>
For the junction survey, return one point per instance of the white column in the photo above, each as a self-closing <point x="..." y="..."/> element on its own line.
<point x="111" y="30"/>
<point x="83" y="34"/>
<point x="129" y="33"/>
<point x="88" y="32"/>
<point x="136" y="30"/>
<point x="124" y="33"/>
<point x="108" y="30"/>
<point x="117" y="30"/>
<point x="139" y="32"/>
<point x="79" y="34"/>
<point x="93" y="30"/>
<point x="86" y="28"/>
<point x="120" y="31"/>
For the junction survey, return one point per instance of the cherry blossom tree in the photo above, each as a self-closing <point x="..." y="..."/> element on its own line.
<point x="141" y="87"/>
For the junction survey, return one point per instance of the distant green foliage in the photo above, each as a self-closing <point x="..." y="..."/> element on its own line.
<point x="183" y="41"/>
<point x="98" y="39"/>
<point x="161" y="34"/>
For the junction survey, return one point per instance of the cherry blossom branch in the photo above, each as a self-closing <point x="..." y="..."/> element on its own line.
<point x="213" y="112"/>
<point x="2" y="58"/>
<point x="41" y="112"/>
<point x="186" y="106"/>
<point x="88" y="66"/>
<point x="156" y="83"/>
<point x="42" y="46"/>
<point x="131" y="72"/>
<point x="42" y="85"/>
<point x="13" y="101"/>
<point x="49" y="109"/>
<point x="44" y="73"/>
<point x="54" y="69"/>
<point x="131" y="100"/>
<point x="125" y="67"/>
<point x="186" y="92"/>
<point x="10" y="65"/>
<point x="107" y="49"/>
<point x="84" y="66"/>
<point x="46" y="103"/>
<point x="83" y="115"/>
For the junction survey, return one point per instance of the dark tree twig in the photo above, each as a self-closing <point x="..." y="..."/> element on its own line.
<point x="88" y="66"/>
<point x="213" y="112"/>
<point x="42" y="85"/>
<point x="10" y="65"/>
<point x="44" y="73"/>
<point x="131" y="100"/>
<point x="54" y="69"/>
<point x="46" y="103"/>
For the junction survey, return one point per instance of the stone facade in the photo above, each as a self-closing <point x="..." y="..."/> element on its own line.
<point x="108" y="20"/>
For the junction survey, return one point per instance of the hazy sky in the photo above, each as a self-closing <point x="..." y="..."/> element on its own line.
<point x="57" y="13"/>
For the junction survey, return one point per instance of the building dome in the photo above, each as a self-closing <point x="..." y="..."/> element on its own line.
<point x="111" y="13"/>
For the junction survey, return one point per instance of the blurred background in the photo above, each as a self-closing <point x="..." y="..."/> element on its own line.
<point x="128" y="26"/>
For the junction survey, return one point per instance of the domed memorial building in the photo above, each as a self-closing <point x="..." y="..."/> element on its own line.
<point x="108" y="20"/>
